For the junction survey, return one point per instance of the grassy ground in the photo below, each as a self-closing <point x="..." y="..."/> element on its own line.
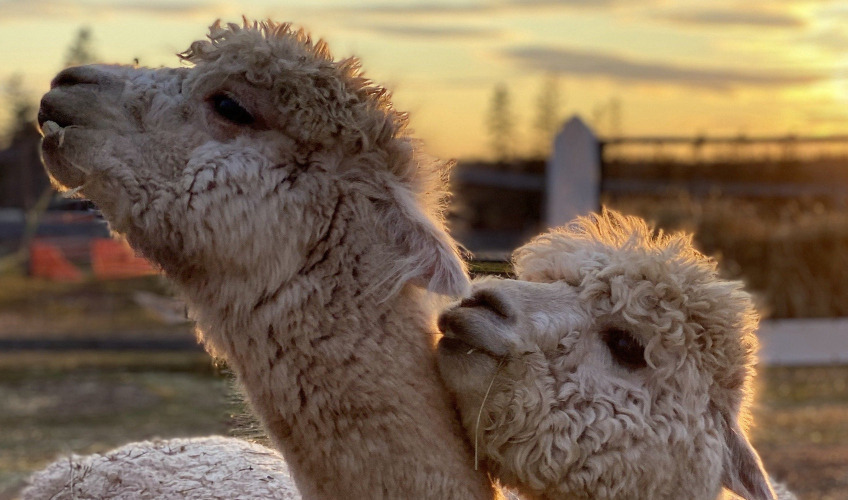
<point x="801" y="428"/>
<point x="31" y="307"/>
<point x="793" y="255"/>
<point x="58" y="403"/>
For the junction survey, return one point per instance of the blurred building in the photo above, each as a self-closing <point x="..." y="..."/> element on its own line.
<point x="497" y="206"/>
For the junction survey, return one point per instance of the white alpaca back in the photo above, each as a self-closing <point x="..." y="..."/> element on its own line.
<point x="213" y="467"/>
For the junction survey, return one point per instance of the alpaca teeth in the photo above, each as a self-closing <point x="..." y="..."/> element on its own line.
<point x="50" y="127"/>
<point x="470" y="351"/>
<point x="72" y="192"/>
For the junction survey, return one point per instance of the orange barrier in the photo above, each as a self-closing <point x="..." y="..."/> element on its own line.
<point x="111" y="259"/>
<point x="47" y="261"/>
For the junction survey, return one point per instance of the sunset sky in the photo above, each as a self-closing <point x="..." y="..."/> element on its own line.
<point x="716" y="67"/>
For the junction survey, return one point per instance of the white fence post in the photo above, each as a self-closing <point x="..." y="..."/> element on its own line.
<point x="573" y="181"/>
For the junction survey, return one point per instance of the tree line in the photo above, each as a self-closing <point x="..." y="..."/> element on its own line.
<point x="504" y="144"/>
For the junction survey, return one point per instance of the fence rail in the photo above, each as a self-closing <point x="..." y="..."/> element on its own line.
<point x="703" y="139"/>
<point x="788" y="149"/>
<point x="762" y="167"/>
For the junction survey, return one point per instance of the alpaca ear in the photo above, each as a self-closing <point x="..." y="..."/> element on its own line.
<point x="743" y="472"/>
<point x="433" y="258"/>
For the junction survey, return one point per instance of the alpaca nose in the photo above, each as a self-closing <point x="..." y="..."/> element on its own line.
<point x="77" y="75"/>
<point x="83" y="75"/>
<point x="492" y="300"/>
<point x="77" y="95"/>
<point x="442" y="323"/>
<point x="477" y="326"/>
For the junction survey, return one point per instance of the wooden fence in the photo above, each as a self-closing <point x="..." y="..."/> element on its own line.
<point x="767" y="167"/>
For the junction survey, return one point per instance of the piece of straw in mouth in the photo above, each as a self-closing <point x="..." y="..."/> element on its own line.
<point x="480" y="413"/>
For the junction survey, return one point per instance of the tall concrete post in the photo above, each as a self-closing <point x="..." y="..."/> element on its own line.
<point x="573" y="181"/>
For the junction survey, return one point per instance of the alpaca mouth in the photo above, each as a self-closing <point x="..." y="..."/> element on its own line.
<point x="53" y="110"/>
<point x="454" y="344"/>
<point x="52" y="121"/>
<point x="451" y="331"/>
<point x="50" y="127"/>
<point x="450" y="344"/>
<point x="62" y="170"/>
<point x="470" y="330"/>
<point x="459" y="338"/>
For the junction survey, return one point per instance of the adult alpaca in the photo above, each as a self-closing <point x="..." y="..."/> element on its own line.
<point x="618" y="366"/>
<point x="279" y="190"/>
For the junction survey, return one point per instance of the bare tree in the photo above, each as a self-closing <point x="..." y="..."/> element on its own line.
<point x="20" y="107"/>
<point x="615" y="125"/>
<point x="501" y="124"/>
<point x="548" y="118"/>
<point x="606" y="118"/>
<point x="81" y="51"/>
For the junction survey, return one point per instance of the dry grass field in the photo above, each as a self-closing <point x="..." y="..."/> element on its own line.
<point x="44" y="309"/>
<point x="801" y="428"/>
<point x="792" y="254"/>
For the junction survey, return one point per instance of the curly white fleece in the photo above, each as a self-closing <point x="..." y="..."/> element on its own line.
<point x="618" y="366"/>
<point x="213" y="467"/>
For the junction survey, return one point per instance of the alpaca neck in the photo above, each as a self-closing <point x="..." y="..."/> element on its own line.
<point x="344" y="380"/>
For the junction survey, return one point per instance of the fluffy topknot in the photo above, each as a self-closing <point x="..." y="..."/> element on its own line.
<point x="324" y="101"/>
<point x="570" y="252"/>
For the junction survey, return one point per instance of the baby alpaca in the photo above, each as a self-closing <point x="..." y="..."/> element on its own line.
<point x="618" y="367"/>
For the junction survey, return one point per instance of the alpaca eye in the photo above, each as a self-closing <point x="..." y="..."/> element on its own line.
<point x="230" y="109"/>
<point x="625" y="349"/>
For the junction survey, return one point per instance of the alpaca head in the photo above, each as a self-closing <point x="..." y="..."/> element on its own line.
<point x="617" y="366"/>
<point x="245" y="160"/>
